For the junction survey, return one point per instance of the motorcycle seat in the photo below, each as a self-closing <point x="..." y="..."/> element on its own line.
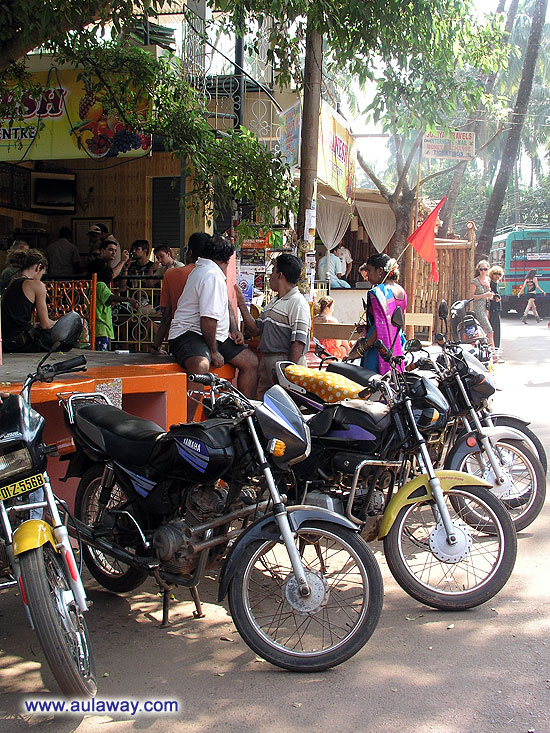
<point x="356" y="373"/>
<point x="329" y="387"/>
<point x="124" y="437"/>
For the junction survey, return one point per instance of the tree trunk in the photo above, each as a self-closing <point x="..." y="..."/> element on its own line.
<point x="514" y="135"/>
<point x="310" y="124"/>
<point x="476" y="124"/>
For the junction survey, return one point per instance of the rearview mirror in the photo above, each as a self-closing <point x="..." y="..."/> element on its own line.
<point x="443" y="310"/>
<point x="397" y="318"/>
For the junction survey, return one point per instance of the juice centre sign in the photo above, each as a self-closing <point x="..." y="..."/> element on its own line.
<point x="68" y="121"/>
<point x="458" y="145"/>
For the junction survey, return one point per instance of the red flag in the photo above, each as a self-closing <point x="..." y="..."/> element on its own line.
<point x="423" y="239"/>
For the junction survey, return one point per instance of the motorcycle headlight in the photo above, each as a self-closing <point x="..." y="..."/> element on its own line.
<point x="14" y="459"/>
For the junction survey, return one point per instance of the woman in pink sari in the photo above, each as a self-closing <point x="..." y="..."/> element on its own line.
<point x="384" y="297"/>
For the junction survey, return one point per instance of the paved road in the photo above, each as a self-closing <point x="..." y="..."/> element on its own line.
<point x="484" y="670"/>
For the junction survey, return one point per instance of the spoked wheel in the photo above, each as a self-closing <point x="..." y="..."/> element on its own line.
<point x="322" y="630"/>
<point x="458" y="576"/>
<point x="524" y="488"/>
<point x="59" y="625"/>
<point x="533" y="441"/>
<point x="112" y="574"/>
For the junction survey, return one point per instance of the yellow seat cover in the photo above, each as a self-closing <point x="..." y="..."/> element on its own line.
<point x="329" y="386"/>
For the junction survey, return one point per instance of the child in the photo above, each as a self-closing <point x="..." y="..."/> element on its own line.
<point x="104" y="299"/>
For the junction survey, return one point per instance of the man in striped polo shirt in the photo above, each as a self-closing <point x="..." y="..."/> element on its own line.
<point x="285" y="322"/>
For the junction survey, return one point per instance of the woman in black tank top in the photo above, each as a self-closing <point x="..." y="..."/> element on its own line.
<point x="23" y="295"/>
<point x="529" y="288"/>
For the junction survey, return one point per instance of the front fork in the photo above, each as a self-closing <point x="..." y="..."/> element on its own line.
<point x="281" y="515"/>
<point x="426" y="466"/>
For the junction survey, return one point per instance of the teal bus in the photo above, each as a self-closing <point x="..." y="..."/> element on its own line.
<point x="518" y="249"/>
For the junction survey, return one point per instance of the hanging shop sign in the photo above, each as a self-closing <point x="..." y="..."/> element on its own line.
<point x="337" y="153"/>
<point x="291" y="128"/>
<point x="458" y="145"/>
<point x="69" y="121"/>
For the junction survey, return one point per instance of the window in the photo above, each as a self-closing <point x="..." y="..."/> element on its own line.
<point x="522" y="249"/>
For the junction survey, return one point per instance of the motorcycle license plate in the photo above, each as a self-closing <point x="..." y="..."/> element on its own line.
<point x="21" y="487"/>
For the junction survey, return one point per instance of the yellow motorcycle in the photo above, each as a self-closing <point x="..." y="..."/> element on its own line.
<point x="35" y="550"/>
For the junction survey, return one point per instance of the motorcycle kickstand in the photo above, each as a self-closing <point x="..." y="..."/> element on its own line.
<point x="198" y="612"/>
<point x="165" y="607"/>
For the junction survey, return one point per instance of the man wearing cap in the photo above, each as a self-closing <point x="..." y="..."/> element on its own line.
<point x="94" y="235"/>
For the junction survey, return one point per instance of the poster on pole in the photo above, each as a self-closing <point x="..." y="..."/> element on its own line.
<point x="291" y="128"/>
<point x="457" y="145"/>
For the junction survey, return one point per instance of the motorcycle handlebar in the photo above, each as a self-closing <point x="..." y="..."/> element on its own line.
<point x="384" y="352"/>
<point x="69" y="364"/>
<point x="206" y="379"/>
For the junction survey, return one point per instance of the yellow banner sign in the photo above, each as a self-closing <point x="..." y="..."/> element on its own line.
<point x="337" y="153"/>
<point x="68" y="121"/>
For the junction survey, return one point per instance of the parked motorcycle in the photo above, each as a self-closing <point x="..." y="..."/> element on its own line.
<point x="465" y="329"/>
<point x="36" y="553"/>
<point x="448" y="541"/>
<point x="499" y="454"/>
<point x="305" y="591"/>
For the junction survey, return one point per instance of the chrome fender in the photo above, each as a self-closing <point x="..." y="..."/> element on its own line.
<point x="418" y="490"/>
<point x="266" y="528"/>
<point x="32" y="534"/>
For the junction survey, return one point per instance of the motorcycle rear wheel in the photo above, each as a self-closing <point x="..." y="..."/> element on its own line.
<point x="59" y="625"/>
<point x="524" y="491"/>
<point x="112" y="574"/>
<point x="323" y="630"/>
<point x="447" y="577"/>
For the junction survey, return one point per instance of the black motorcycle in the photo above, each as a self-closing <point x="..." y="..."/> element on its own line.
<point x="305" y="591"/>
<point x="448" y="541"/>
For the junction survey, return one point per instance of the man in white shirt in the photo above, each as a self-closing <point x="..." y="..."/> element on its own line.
<point x="200" y="331"/>
<point x="346" y="260"/>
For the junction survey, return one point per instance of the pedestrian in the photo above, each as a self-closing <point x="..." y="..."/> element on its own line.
<point x="346" y="260"/>
<point x="63" y="256"/>
<point x="330" y="268"/>
<point x="530" y="287"/>
<point x="11" y="269"/>
<point x="496" y="274"/>
<point x="173" y="284"/>
<point x="383" y="298"/>
<point x="26" y="294"/>
<point x="325" y="314"/>
<point x="105" y="298"/>
<point x="165" y="259"/>
<point x="200" y="336"/>
<point x="284" y="324"/>
<point x="481" y="294"/>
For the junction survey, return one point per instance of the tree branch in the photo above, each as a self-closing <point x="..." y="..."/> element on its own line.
<point x="374" y="178"/>
<point x="402" y="182"/>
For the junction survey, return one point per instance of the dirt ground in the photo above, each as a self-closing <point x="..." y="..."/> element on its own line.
<point x="487" y="669"/>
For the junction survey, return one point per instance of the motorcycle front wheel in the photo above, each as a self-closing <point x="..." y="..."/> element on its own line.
<point x="453" y="577"/>
<point x="524" y="489"/>
<point x="59" y="625"/>
<point x="532" y="439"/>
<point x="329" y="626"/>
<point x="112" y="574"/>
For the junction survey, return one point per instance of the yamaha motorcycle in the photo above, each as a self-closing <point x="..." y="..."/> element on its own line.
<point x="35" y="549"/>
<point x="448" y="541"/>
<point x="305" y="591"/>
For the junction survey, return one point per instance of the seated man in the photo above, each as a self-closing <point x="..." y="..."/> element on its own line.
<point x="330" y="268"/>
<point x="200" y="332"/>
